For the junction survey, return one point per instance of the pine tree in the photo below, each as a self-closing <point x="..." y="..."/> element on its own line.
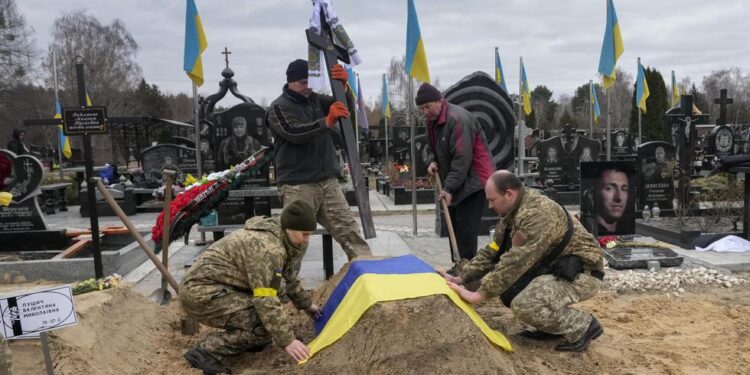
<point x="652" y="122"/>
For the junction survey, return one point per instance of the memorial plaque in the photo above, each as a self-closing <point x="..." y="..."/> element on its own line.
<point x="167" y="156"/>
<point x="722" y="141"/>
<point x="20" y="176"/>
<point x="612" y="186"/>
<point x="240" y="132"/>
<point x="552" y="165"/>
<point x="82" y="121"/>
<point x="621" y="143"/>
<point x="582" y="150"/>
<point x="656" y="163"/>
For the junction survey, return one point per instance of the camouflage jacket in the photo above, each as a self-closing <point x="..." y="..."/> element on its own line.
<point x="254" y="260"/>
<point x="537" y="224"/>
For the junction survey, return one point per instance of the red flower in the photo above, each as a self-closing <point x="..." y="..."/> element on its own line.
<point x="604" y="240"/>
<point x="175" y="206"/>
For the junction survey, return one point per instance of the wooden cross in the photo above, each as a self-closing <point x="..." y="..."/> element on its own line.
<point x="332" y="53"/>
<point x="226" y="54"/>
<point x="722" y="101"/>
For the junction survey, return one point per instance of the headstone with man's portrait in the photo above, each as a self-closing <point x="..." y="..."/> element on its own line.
<point x="656" y="163"/>
<point x="621" y="143"/>
<point x="721" y="141"/>
<point x="157" y="158"/>
<point x="610" y="185"/>
<point x="552" y="164"/>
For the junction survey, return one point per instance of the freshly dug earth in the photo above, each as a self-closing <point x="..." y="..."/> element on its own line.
<point x="700" y="332"/>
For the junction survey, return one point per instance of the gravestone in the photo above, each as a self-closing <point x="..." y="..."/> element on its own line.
<point x="552" y="163"/>
<point x="722" y="101"/>
<point x="656" y="162"/>
<point x="240" y="132"/>
<point x="621" y="143"/>
<point x="157" y="158"/>
<point x="611" y="186"/>
<point x="680" y="123"/>
<point x="421" y="145"/>
<point x="401" y="146"/>
<point x="722" y="141"/>
<point x="22" y="226"/>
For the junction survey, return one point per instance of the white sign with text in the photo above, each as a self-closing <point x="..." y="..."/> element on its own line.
<point x="37" y="312"/>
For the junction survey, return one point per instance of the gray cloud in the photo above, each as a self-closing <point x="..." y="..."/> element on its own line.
<point x="560" y="41"/>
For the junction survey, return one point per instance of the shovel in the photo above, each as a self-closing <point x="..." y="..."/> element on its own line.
<point x="166" y="295"/>
<point x="448" y="223"/>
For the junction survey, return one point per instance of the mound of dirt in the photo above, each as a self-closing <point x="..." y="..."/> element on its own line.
<point x="701" y="332"/>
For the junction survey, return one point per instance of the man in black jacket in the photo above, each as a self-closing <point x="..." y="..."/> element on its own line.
<point x="458" y="152"/>
<point x="303" y="124"/>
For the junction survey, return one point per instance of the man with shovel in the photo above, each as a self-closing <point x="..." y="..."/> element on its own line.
<point x="458" y="153"/>
<point x="234" y="286"/>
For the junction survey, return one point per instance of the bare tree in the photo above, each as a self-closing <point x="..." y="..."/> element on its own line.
<point x="17" y="50"/>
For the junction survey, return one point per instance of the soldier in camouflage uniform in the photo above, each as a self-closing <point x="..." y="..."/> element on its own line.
<point x="534" y="224"/>
<point x="304" y="125"/>
<point x="6" y="362"/>
<point x="234" y="284"/>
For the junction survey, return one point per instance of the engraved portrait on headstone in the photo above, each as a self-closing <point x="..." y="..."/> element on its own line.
<point x="656" y="162"/>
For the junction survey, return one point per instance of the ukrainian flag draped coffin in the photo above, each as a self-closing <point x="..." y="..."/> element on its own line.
<point x="368" y="282"/>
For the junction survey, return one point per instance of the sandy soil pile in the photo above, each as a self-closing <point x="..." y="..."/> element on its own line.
<point x="700" y="332"/>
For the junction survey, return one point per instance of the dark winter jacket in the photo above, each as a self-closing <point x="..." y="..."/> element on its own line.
<point x="303" y="144"/>
<point x="458" y="146"/>
<point x="15" y="145"/>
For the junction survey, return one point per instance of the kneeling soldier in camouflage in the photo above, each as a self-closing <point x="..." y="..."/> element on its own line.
<point x="233" y="286"/>
<point x="542" y="260"/>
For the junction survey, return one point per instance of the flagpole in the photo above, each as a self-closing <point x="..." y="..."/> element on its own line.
<point x="609" y="115"/>
<point x="60" y="146"/>
<point x="356" y="126"/>
<point x="385" y="121"/>
<point x="591" y="109"/>
<point x="413" y="128"/>
<point x="197" y="125"/>
<point x="637" y="105"/>
<point x="521" y="122"/>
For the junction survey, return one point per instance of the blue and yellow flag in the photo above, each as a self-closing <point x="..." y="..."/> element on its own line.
<point x="385" y="106"/>
<point x="675" y="92"/>
<point x="525" y="91"/>
<point x="64" y="141"/>
<point x="641" y="89"/>
<point x="416" y="58"/>
<point x="612" y="47"/>
<point x="499" y="77"/>
<point x="88" y="100"/>
<point x="195" y="44"/>
<point x="352" y="80"/>
<point x="595" y="104"/>
<point x="362" y="108"/>
<point x="368" y="282"/>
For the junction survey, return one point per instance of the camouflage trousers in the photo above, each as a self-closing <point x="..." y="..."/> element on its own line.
<point x="545" y="305"/>
<point x="230" y="310"/>
<point x="332" y="212"/>
<point x="6" y="363"/>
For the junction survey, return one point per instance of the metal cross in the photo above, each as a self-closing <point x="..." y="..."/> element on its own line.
<point x="226" y="54"/>
<point x="722" y="101"/>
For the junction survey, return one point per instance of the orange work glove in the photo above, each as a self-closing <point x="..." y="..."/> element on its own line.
<point x="336" y="111"/>
<point x="339" y="73"/>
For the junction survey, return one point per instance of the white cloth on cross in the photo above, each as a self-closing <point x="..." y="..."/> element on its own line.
<point x="317" y="75"/>
<point x="728" y="244"/>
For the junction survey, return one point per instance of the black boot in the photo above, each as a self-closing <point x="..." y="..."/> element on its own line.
<point x="595" y="330"/>
<point x="538" y="335"/>
<point x="200" y="358"/>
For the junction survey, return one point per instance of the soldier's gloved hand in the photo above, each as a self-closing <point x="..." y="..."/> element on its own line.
<point x="314" y="311"/>
<point x="339" y="73"/>
<point x="297" y="350"/>
<point x="336" y="111"/>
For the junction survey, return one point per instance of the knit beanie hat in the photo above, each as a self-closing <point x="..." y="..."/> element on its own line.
<point x="427" y="93"/>
<point x="296" y="71"/>
<point x="298" y="215"/>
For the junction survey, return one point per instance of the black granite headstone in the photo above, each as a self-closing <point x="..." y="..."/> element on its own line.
<point x="180" y="159"/>
<point x="621" y="143"/>
<point x="21" y="177"/>
<point x="656" y="162"/>
<point x="612" y="186"/>
<point x="240" y="132"/>
<point x="552" y="163"/>
<point x="722" y="141"/>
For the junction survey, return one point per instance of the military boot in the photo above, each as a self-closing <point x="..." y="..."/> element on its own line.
<point x="200" y="358"/>
<point x="592" y="333"/>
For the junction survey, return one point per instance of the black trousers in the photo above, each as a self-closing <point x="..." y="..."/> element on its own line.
<point x="467" y="218"/>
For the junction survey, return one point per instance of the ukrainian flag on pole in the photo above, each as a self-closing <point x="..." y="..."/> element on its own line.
<point x="416" y="58"/>
<point x="641" y="89"/>
<point x="385" y="106"/>
<point x="195" y="44"/>
<point x="525" y="91"/>
<point x="595" y="104"/>
<point x="499" y="77"/>
<point x="64" y="141"/>
<point x="675" y="92"/>
<point x="612" y="47"/>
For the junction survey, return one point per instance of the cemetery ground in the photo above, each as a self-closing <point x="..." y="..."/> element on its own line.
<point x="651" y="326"/>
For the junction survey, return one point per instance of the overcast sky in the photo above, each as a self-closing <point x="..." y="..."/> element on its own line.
<point x="560" y="40"/>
